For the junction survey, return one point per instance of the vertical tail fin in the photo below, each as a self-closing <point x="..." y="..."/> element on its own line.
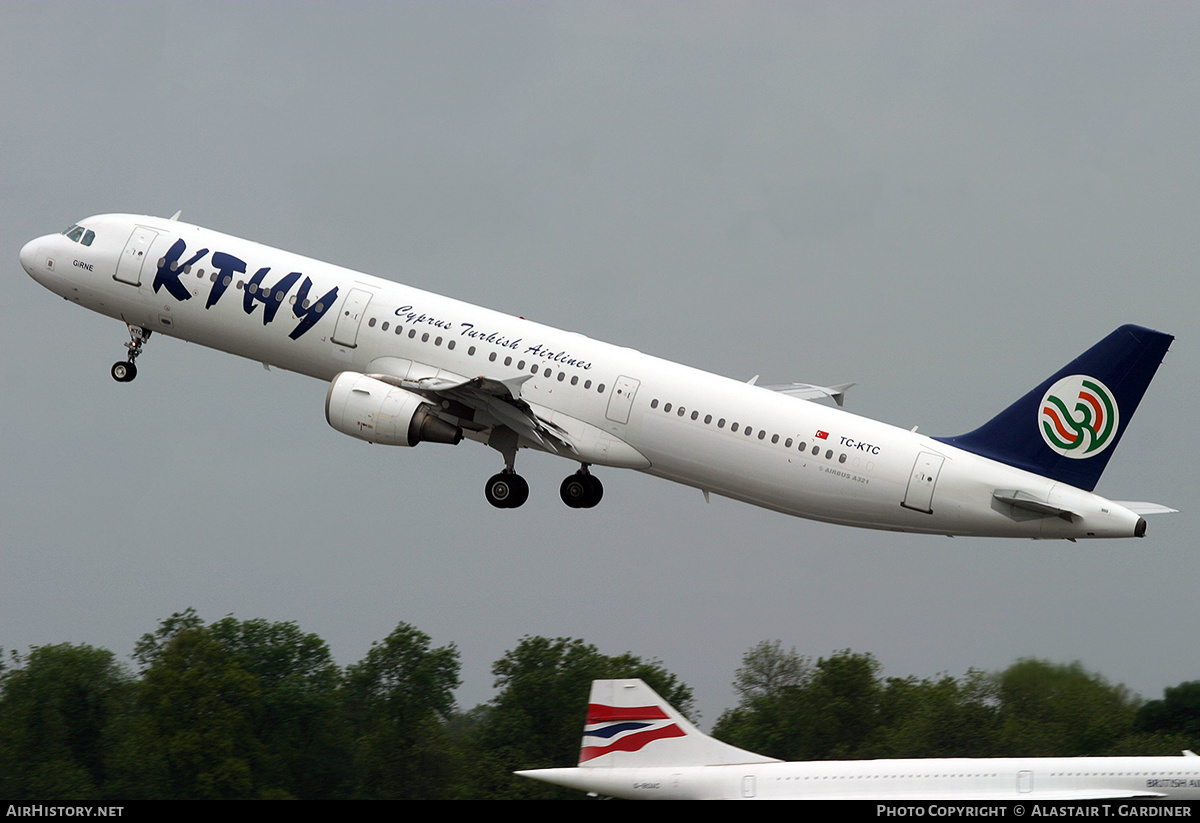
<point x="629" y="725"/>
<point x="1068" y="427"/>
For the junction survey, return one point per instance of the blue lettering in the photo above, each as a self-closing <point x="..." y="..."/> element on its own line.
<point x="169" y="269"/>
<point x="310" y="313"/>
<point x="271" y="298"/>
<point x="227" y="266"/>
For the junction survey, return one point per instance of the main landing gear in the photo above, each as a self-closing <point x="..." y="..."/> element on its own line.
<point x="125" y="370"/>
<point x="508" y="490"/>
<point x="581" y="490"/>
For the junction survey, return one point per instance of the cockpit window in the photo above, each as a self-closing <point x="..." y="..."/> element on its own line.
<point x="80" y="235"/>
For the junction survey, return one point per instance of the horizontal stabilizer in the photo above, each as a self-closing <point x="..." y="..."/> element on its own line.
<point x="1025" y="500"/>
<point x="1138" y="507"/>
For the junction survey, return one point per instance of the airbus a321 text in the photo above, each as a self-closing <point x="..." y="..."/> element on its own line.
<point x="405" y="366"/>
<point x="637" y="746"/>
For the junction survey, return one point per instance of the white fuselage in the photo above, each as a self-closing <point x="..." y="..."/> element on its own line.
<point x="716" y="434"/>
<point x="1030" y="778"/>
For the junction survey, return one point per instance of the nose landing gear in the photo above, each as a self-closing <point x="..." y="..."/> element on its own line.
<point x="124" y="371"/>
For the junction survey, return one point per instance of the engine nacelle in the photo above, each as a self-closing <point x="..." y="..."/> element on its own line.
<point x="371" y="410"/>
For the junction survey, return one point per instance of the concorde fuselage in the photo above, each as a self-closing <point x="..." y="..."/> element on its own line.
<point x="637" y="411"/>
<point x="1039" y="779"/>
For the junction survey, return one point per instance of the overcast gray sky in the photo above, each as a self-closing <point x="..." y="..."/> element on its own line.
<point x="942" y="202"/>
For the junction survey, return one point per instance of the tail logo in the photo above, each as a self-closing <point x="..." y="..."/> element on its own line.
<point x="624" y="729"/>
<point x="1079" y="417"/>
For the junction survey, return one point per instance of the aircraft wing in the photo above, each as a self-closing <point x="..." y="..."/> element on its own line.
<point x="810" y="391"/>
<point x="493" y="402"/>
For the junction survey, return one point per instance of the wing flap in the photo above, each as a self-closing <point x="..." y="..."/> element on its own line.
<point x="811" y="391"/>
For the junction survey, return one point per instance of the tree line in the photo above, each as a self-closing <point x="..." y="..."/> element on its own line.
<point x="255" y="709"/>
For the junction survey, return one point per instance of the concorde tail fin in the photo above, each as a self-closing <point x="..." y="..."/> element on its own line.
<point x="1068" y="427"/>
<point x="629" y="725"/>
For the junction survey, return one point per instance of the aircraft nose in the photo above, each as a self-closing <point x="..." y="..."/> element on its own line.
<point x="29" y="256"/>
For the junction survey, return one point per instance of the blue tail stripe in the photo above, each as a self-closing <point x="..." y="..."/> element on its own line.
<point x="1125" y="362"/>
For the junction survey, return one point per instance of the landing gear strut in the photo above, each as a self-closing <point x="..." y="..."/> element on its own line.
<point x="581" y="490"/>
<point x="125" y="370"/>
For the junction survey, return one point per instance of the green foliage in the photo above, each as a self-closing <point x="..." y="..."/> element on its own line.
<point x="1177" y="715"/>
<point x="203" y="709"/>
<point x="399" y="698"/>
<point x="259" y="709"/>
<point x="946" y="717"/>
<point x="56" y="705"/>
<point x="816" y="712"/>
<point x="1054" y="709"/>
<point x="304" y="744"/>
<point x="841" y="708"/>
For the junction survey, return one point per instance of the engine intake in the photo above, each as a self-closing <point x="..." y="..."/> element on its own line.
<point x="371" y="410"/>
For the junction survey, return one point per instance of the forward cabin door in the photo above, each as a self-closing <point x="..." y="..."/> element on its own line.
<point x="133" y="258"/>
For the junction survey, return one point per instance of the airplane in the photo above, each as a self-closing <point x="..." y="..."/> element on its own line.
<point x="406" y="366"/>
<point x="636" y="746"/>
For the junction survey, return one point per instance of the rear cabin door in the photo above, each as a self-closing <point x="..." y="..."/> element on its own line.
<point x="919" y="495"/>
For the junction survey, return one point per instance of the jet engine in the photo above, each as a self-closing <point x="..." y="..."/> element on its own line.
<point x="371" y="410"/>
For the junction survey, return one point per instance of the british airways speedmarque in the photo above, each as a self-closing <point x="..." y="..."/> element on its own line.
<point x="405" y="366"/>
